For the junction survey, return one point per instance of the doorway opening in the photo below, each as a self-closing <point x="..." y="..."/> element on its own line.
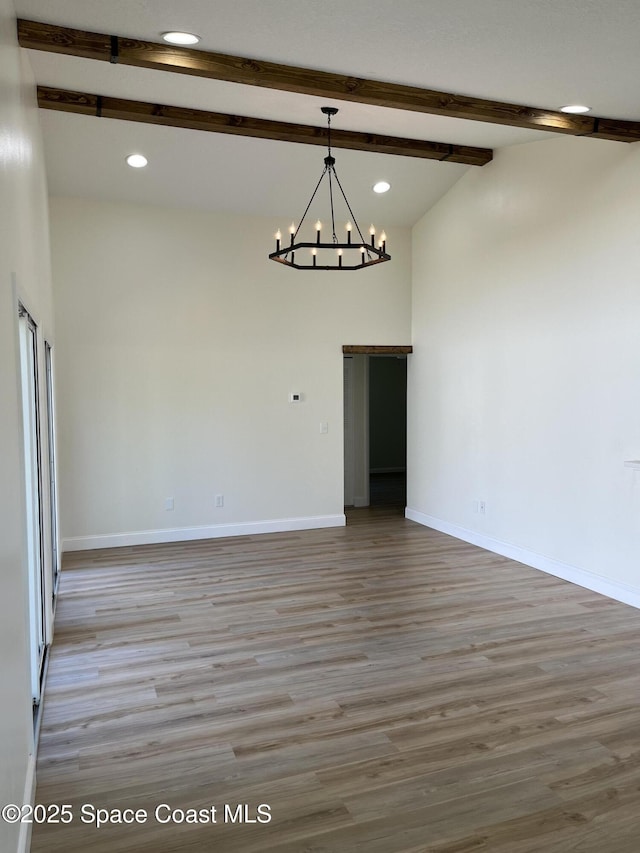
<point x="375" y="426"/>
<point x="388" y="430"/>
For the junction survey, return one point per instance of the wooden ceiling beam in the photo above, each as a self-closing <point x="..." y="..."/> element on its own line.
<point x="105" y="107"/>
<point x="271" y="75"/>
<point x="375" y="349"/>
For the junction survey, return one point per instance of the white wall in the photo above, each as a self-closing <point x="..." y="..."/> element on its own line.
<point x="24" y="274"/>
<point x="524" y="386"/>
<point x="360" y="461"/>
<point x="179" y="344"/>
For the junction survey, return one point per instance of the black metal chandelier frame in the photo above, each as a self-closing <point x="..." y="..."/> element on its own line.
<point x="365" y="253"/>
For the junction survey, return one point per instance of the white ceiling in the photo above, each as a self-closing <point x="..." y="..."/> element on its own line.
<point x="543" y="53"/>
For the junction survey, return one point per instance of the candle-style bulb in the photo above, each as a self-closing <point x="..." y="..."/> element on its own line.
<point x="318" y="225"/>
<point x="278" y="235"/>
<point x="339" y="253"/>
<point x="314" y="252"/>
<point x="383" y="237"/>
<point x="348" y="226"/>
<point x="292" y="228"/>
<point x="372" y="230"/>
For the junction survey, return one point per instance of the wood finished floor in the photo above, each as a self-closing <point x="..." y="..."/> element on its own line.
<point x="383" y="688"/>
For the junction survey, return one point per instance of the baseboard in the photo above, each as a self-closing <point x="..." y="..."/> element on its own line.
<point x="24" y="838"/>
<point x="211" y="531"/>
<point x="581" y="577"/>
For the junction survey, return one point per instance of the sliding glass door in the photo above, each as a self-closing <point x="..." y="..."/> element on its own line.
<point x="33" y="492"/>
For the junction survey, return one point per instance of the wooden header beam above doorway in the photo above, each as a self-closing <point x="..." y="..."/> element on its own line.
<point x="368" y="349"/>
<point x="142" y="111"/>
<point x="271" y="75"/>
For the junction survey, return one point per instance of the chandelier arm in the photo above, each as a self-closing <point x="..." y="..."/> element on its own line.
<point x="324" y="171"/>
<point x="355" y="221"/>
<point x="333" y="218"/>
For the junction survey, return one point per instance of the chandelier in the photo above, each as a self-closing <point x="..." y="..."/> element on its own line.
<point x="352" y="253"/>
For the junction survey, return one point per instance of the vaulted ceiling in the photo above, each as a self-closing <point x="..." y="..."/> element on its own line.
<point x="541" y="54"/>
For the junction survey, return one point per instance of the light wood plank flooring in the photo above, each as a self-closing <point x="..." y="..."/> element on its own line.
<point x="383" y="688"/>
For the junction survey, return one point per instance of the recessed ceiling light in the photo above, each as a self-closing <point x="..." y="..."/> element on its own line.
<point x="137" y="161"/>
<point x="381" y="187"/>
<point x="181" y="38"/>
<point x="575" y="108"/>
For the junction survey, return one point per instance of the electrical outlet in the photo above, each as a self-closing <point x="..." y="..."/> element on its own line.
<point x="324" y="427"/>
<point x="482" y="507"/>
<point x="219" y="500"/>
